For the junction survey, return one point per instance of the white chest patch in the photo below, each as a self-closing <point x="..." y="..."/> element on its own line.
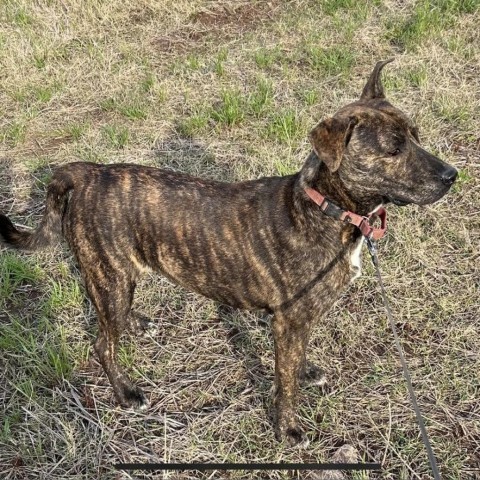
<point x="356" y="260"/>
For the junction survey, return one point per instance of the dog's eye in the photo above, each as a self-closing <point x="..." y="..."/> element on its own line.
<point x="394" y="153"/>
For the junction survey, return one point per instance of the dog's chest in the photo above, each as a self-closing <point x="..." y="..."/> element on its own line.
<point x="356" y="260"/>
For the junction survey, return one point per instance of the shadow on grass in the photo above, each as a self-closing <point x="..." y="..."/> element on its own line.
<point x="244" y="346"/>
<point x="188" y="156"/>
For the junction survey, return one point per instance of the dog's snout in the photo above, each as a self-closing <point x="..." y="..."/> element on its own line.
<point x="449" y="175"/>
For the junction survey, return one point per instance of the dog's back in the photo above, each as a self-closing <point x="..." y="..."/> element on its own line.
<point x="219" y="239"/>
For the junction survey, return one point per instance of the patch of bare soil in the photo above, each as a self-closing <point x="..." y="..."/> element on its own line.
<point x="224" y="22"/>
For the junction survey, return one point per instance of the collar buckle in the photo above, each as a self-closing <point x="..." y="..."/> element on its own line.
<point x="361" y="222"/>
<point x="332" y="210"/>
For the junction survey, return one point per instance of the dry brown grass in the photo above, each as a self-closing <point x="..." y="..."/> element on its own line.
<point x="229" y="90"/>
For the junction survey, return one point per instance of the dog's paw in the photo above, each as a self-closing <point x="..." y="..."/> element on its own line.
<point x="133" y="397"/>
<point x="142" y="325"/>
<point x="296" y="437"/>
<point x="293" y="436"/>
<point x="150" y="329"/>
<point x="313" y="375"/>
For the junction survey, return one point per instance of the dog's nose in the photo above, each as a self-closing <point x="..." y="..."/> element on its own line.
<point x="449" y="175"/>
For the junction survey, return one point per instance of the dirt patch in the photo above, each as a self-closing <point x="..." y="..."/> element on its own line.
<point x="223" y="23"/>
<point x="49" y="143"/>
<point x="141" y="15"/>
<point x="242" y="16"/>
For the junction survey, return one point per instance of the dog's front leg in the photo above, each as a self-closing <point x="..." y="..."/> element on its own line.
<point x="290" y="337"/>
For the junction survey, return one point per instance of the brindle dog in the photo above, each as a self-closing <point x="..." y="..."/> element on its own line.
<point x="261" y="244"/>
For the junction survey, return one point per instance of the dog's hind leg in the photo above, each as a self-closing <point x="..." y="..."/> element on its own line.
<point x="112" y="301"/>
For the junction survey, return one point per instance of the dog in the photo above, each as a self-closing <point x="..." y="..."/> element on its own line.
<point x="261" y="245"/>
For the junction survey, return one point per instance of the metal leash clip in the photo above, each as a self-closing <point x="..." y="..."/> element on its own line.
<point x="372" y="248"/>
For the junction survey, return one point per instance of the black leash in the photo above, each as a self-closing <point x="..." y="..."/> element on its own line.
<point x="372" y="248"/>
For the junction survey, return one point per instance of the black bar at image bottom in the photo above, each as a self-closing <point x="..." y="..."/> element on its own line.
<point x="247" y="466"/>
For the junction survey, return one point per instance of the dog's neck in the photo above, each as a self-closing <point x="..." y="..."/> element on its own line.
<point x="316" y="175"/>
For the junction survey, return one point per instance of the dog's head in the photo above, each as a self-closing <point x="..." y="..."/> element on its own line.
<point x="374" y="150"/>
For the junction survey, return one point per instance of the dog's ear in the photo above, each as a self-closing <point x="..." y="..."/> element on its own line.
<point x="329" y="139"/>
<point x="374" y="87"/>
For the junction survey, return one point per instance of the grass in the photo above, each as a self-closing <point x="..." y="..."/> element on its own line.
<point x="116" y="136"/>
<point x="229" y="111"/>
<point x="234" y="99"/>
<point x="14" y="133"/>
<point x="267" y="57"/>
<point x="418" y="76"/>
<point x="194" y="124"/>
<point x="131" y="108"/>
<point x="285" y="126"/>
<point x="310" y="97"/>
<point x="74" y="131"/>
<point x="220" y="60"/>
<point x="261" y="99"/>
<point x="350" y="7"/>
<point x="430" y="18"/>
<point x="15" y="271"/>
<point x="451" y="111"/>
<point x="332" y="61"/>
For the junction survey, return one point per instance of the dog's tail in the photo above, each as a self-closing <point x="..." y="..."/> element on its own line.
<point x="51" y="224"/>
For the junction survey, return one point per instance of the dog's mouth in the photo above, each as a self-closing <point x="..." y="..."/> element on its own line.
<point x="396" y="201"/>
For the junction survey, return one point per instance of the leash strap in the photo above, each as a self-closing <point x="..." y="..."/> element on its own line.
<point x="431" y="457"/>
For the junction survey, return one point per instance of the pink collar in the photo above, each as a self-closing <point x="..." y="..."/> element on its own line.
<point x="363" y="223"/>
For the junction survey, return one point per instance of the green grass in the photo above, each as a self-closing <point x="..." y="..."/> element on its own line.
<point x="285" y="126"/>
<point x="261" y="99"/>
<point x="14" y="133"/>
<point x="74" y="131"/>
<point x="131" y="108"/>
<point x="187" y="65"/>
<point x="148" y="83"/>
<point x="450" y="111"/>
<point x="330" y="61"/>
<point x="62" y="295"/>
<point x="116" y="136"/>
<point x="310" y="97"/>
<point x="429" y="18"/>
<point x="284" y="167"/>
<point x="268" y="57"/>
<point x="133" y="111"/>
<point x="15" y="271"/>
<point x="418" y="77"/>
<point x="192" y="62"/>
<point x="220" y="59"/>
<point x="40" y="350"/>
<point x="37" y="94"/>
<point x="40" y="59"/>
<point x="458" y="46"/>
<point x="22" y="18"/>
<point x="348" y="7"/>
<point x="194" y="124"/>
<point x="230" y="110"/>
<point x="463" y="180"/>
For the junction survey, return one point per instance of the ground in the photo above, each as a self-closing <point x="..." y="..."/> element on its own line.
<point x="229" y="90"/>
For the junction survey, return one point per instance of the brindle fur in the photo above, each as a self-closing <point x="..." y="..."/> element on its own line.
<point x="259" y="244"/>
